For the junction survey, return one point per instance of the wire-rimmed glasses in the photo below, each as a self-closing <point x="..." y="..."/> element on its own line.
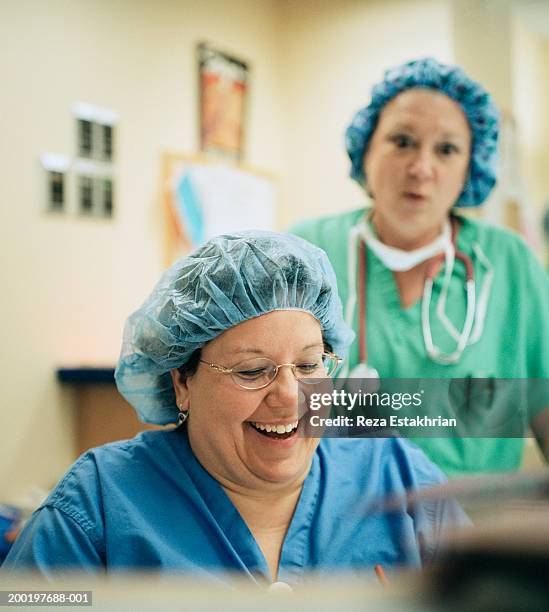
<point x="259" y="372"/>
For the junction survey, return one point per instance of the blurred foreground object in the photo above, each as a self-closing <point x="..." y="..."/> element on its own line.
<point x="499" y="566"/>
<point x="10" y="518"/>
<point x="502" y="563"/>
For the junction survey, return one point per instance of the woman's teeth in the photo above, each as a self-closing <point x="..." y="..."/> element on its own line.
<point x="279" y="429"/>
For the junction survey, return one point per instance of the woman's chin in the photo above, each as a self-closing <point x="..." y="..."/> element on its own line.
<point x="283" y="470"/>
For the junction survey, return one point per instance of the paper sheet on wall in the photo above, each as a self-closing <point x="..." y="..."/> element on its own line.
<point x="213" y="199"/>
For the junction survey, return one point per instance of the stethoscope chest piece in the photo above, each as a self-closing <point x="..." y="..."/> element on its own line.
<point x="369" y="376"/>
<point x="363" y="370"/>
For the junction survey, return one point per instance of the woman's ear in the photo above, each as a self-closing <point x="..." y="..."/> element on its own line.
<point x="181" y="391"/>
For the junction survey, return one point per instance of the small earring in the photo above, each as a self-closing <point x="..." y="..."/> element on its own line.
<point x="183" y="415"/>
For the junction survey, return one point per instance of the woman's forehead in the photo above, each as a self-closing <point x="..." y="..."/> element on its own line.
<point x="419" y="107"/>
<point x="287" y="327"/>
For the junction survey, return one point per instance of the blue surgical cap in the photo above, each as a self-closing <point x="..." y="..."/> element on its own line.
<point x="229" y="279"/>
<point x="476" y="102"/>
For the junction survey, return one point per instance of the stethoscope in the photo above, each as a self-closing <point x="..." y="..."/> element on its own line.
<point x="475" y="312"/>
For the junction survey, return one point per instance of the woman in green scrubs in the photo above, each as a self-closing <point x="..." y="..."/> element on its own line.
<point x="424" y="146"/>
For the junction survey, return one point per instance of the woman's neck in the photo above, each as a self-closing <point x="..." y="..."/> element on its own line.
<point x="401" y="240"/>
<point x="269" y="510"/>
<point x="268" y="517"/>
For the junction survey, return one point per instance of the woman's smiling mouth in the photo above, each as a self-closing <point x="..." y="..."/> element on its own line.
<point x="280" y="431"/>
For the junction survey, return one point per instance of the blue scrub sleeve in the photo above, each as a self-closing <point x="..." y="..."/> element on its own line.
<point x="52" y="535"/>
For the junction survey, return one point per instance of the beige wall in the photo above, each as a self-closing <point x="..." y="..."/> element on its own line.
<point x="496" y="42"/>
<point x="70" y="283"/>
<point x="481" y="35"/>
<point x="531" y="101"/>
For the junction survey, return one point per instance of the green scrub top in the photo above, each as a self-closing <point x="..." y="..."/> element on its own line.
<point x="514" y="343"/>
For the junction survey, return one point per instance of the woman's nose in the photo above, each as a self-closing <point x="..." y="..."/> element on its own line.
<point x="422" y="166"/>
<point x="285" y="387"/>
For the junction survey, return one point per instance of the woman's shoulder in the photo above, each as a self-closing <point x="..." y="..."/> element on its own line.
<point x="93" y="502"/>
<point x="505" y="250"/>
<point x="492" y="237"/>
<point x="391" y="460"/>
<point x="116" y="462"/>
<point x="142" y="445"/>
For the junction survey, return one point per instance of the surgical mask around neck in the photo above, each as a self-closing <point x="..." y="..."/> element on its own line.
<point x="398" y="260"/>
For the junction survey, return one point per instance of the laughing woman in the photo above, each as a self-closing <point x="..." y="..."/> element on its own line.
<point x="219" y="348"/>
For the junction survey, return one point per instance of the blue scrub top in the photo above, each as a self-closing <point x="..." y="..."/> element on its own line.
<point x="148" y="504"/>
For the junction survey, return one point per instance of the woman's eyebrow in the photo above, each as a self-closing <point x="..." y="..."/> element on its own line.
<point x="244" y="349"/>
<point x="314" y="345"/>
<point x="453" y="135"/>
<point x="407" y="127"/>
<point x="404" y="127"/>
<point x="257" y="351"/>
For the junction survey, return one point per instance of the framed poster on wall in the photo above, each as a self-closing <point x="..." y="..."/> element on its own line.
<point x="223" y="83"/>
<point x="205" y="197"/>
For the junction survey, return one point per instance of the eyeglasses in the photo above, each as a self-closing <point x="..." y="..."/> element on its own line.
<point x="260" y="372"/>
